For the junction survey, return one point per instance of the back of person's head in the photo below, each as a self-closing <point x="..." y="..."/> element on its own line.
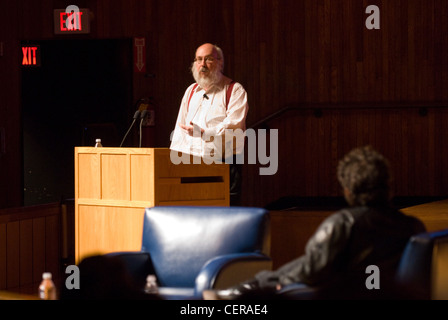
<point x="220" y="56"/>
<point x="219" y="52"/>
<point x="364" y="175"/>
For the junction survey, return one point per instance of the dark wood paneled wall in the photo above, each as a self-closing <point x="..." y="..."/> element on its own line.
<point x="304" y="53"/>
<point x="30" y="244"/>
<point x="414" y="139"/>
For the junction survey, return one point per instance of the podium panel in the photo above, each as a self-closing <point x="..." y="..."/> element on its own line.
<point x="105" y="229"/>
<point x="113" y="186"/>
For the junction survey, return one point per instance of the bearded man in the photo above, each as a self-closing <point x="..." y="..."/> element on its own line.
<point x="212" y="116"/>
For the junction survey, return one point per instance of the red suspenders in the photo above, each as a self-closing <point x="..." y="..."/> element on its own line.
<point x="228" y="93"/>
<point x="191" y="94"/>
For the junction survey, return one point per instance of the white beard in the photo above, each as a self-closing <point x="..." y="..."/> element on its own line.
<point x="207" y="81"/>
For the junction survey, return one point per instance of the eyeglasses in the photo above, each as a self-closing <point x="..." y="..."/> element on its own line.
<point x="207" y="59"/>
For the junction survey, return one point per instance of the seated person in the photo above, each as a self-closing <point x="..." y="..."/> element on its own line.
<point x="368" y="232"/>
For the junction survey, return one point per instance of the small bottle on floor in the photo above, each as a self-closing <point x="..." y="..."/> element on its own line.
<point x="151" y="286"/>
<point x="47" y="289"/>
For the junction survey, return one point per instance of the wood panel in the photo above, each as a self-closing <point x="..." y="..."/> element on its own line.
<point x="91" y="188"/>
<point x="3" y="251"/>
<point x="115" y="177"/>
<point x="38" y="247"/>
<point x="141" y="163"/>
<point x="53" y="245"/>
<point x="110" y="171"/>
<point x="8" y="295"/>
<point x="111" y="218"/>
<point x="26" y="252"/>
<point x="433" y="214"/>
<point x="414" y="142"/>
<point x="111" y="228"/>
<point x="13" y="254"/>
<point x="30" y="244"/>
<point x="439" y="270"/>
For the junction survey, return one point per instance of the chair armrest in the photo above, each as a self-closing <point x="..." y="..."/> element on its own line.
<point x="298" y="291"/>
<point x="228" y="270"/>
<point x="138" y="264"/>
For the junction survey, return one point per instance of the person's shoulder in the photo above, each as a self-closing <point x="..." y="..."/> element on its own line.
<point x="342" y="216"/>
<point x="191" y="86"/>
<point x="350" y="211"/>
<point x="238" y="89"/>
<point x="238" y="85"/>
<point x="337" y="225"/>
<point x="350" y="214"/>
<point x="189" y="90"/>
<point x="235" y="83"/>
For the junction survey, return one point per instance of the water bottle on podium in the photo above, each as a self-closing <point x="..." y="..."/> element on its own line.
<point x="47" y="289"/>
<point x="98" y="143"/>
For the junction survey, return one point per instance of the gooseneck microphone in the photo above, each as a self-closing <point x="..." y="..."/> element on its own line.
<point x="142" y="118"/>
<point x="136" y="116"/>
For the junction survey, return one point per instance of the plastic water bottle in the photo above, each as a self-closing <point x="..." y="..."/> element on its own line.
<point x="151" y="286"/>
<point x="47" y="289"/>
<point x="98" y="143"/>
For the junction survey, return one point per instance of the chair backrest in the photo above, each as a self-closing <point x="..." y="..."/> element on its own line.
<point x="182" y="239"/>
<point x="423" y="268"/>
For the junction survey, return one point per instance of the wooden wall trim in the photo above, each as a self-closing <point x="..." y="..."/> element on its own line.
<point x="318" y="107"/>
<point x="23" y="213"/>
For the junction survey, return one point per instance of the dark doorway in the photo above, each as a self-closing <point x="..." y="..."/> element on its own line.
<point x="81" y="91"/>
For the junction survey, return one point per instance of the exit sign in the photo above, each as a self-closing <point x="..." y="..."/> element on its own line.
<point x="76" y="21"/>
<point x="30" y="55"/>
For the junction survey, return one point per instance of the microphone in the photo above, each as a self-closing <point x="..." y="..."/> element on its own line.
<point x="143" y="116"/>
<point x="136" y="116"/>
<point x="142" y="107"/>
<point x="205" y="96"/>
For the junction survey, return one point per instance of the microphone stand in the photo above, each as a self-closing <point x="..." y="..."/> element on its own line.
<point x="142" y="118"/>
<point x="136" y="115"/>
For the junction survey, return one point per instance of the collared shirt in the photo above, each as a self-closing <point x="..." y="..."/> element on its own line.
<point x="224" y="125"/>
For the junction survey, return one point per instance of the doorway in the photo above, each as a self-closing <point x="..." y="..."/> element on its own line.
<point x="81" y="91"/>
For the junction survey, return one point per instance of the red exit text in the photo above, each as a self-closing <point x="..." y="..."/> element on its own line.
<point x="70" y="21"/>
<point x="31" y="56"/>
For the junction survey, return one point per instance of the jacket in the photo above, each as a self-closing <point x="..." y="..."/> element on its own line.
<point x="347" y="242"/>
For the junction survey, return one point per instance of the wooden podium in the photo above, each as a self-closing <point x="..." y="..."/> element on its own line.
<point x="113" y="186"/>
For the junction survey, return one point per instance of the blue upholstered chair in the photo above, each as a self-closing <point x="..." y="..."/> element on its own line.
<point x="191" y="249"/>
<point x="423" y="269"/>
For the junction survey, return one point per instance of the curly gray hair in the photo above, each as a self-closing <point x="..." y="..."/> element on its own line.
<point x="365" y="174"/>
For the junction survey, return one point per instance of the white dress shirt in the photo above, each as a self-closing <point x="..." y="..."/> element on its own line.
<point x="207" y="109"/>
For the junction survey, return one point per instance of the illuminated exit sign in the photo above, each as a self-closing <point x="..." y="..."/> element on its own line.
<point x="31" y="56"/>
<point x="71" y="20"/>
